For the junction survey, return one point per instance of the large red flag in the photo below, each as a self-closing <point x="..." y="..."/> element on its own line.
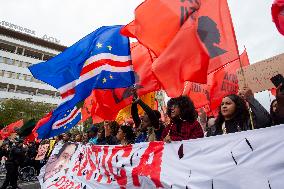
<point x="216" y="31"/>
<point x="199" y="93"/>
<point x="225" y="81"/>
<point x="11" y="128"/>
<point x="157" y="22"/>
<point x="185" y="59"/>
<point x="107" y="103"/>
<point x="215" y="27"/>
<point x="277" y="11"/>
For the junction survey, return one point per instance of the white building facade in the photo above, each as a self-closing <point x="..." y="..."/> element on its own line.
<point x="17" y="52"/>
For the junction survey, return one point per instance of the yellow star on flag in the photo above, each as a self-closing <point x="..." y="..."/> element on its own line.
<point x="109" y="47"/>
<point x="99" y="45"/>
<point x="104" y="80"/>
<point x="110" y="76"/>
<point x="65" y="127"/>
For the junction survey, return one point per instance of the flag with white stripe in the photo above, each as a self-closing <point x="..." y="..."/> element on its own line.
<point x="59" y="122"/>
<point x="100" y="60"/>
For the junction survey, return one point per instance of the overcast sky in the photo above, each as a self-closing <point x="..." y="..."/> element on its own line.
<point x="70" y="20"/>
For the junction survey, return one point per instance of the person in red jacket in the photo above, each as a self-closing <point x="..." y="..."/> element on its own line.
<point x="184" y="124"/>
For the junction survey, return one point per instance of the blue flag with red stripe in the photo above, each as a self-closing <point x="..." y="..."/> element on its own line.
<point x="99" y="60"/>
<point x="58" y="122"/>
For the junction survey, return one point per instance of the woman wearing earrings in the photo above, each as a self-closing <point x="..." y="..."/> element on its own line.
<point x="184" y="124"/>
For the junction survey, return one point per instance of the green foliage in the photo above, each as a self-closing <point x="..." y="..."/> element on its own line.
<point x="12" y="110"/>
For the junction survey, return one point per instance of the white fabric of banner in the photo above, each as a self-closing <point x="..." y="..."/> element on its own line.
<point x="244" y="160"/>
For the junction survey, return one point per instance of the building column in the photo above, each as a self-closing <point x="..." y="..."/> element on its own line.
<point x="15" y="88"/>
<point x="7" y="90"/>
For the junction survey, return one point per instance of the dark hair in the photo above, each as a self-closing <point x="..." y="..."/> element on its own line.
<point x="129" y="134"/>
<point x="186" y="106"/>
<point x="114" y="126"/>
<point x="240" y="116"/>
<point x="273" y="114"/>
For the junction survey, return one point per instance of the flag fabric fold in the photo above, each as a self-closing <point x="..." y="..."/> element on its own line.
<point x="185" y="59"/>
<point x="57" y="122"/>
<point x="105" y="104"/>
<point x="156" y="31"/>
<point x="11" y="128"/>
<point x="225" y="81"/>
<point x="100" y="60"/>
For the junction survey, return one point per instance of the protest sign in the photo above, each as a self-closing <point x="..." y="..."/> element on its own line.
<point x="239" y="160"/>
<point x="257" y="76"/>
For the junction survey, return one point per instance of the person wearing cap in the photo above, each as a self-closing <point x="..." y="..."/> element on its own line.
<point x="15" y="158"/>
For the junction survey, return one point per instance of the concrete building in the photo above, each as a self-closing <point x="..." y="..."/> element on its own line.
<point x="18" y="50"/>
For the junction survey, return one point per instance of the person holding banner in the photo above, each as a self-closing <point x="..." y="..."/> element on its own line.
<point x="234" y="115"/>
<point x="184" y="124"/>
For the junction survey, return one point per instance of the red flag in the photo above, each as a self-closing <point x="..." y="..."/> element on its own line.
<point x="225" y="81"/>
<point x="87" y="108"/>
<point x="41" y="122"/>
<point x="199" y="93"/>
<point x="215" y="28"/>
<point x="185" y="59"/>
<point x="157" y="22"/>
<point x="11" y="128"/>
<point x="216" y="31"/>
<point x="107" y="103"/>
<point x="277" y="11"/>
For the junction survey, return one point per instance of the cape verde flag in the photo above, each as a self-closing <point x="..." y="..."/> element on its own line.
<point x="99" y="60"/>
<point x="57" y="122"/>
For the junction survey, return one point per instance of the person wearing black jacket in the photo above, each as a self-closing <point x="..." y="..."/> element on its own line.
<point x="234" y="115"/>
<point x="150" y="127"/>
<point x="15" y="158"/>
<point x="277" y="107"/>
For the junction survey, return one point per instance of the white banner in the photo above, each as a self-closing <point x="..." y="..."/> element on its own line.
<point x="245" y="160"/>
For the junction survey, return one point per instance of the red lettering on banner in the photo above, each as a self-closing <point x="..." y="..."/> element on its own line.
<point x="64" y="183"/>
<point x="150" y="169"/>
<point x="105" y="150"/>
<point x="97" y="150"/>
<point x="92" y="165"/>
<point x="122" y="178"/>
<point x="79" y="165"/>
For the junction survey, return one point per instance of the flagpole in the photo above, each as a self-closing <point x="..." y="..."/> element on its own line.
<point x="245" y="85"/>
<point x="184" y="89"/>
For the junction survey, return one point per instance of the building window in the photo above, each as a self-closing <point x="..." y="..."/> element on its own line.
<point x="24" y="64"/>
<point x="10" y="61"/>
<point x="19" y="50"/>
<point x="14" y="75"/>
<point x="18" y="63"/>
<point x="33" y="54"/>
<point x="7" y="47"/>
<point x="7" y="74"/>
<point x="28" y="77"/>
<point x="2" y="73"/>
<point x="2" y="60"/>
<point x="22" y="76"/>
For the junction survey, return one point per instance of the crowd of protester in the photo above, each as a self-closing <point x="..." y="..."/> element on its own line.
<point x="181" y="122"/>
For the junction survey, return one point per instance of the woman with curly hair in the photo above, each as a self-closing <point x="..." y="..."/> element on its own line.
<point x="184" y="124"/>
